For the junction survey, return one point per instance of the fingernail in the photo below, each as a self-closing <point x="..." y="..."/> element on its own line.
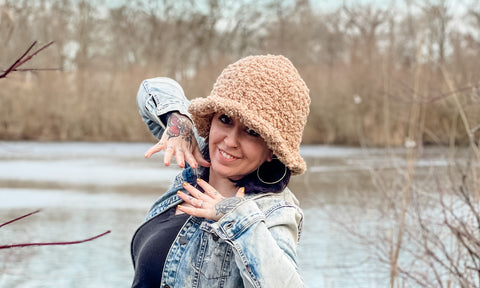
<point x="185" y="184"/>
<point x="242" y="190"/>
<point x="198" y="179"/>
<point x="180" y="206"/>
<point x="179" y="192"/>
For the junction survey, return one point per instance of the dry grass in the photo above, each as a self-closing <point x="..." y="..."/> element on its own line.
<point x="100" y="106"/>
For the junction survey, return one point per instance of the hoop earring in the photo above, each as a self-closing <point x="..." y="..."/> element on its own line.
<point x="273" y="182"/>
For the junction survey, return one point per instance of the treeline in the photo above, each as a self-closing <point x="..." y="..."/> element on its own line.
<point x="378" y="75"/>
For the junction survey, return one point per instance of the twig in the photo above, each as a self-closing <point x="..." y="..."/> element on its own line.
<point x="475" y="129"/>
<point x="45" y="243"/>
<point x="54" y="243"/>
<point x="24" y="58"/>
<point x="36" y="69"/>
<point x="19" y="218"/>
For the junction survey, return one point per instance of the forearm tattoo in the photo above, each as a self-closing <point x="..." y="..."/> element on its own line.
<point x="180" y="126"/>
<point x="226" y="205"/>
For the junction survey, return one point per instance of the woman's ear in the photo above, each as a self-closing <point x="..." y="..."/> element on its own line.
<point x="270" y="156"/>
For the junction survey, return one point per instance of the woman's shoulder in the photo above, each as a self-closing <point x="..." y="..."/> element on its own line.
<point x="284" y="199"/>
<point x="281" y="209"/>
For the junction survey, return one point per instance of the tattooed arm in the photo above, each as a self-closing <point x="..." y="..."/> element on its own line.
<point x="180" y="126"/>
<point x="164" y="108"/>
<point x="157" y="98"/>
<point x="179" y="141"/>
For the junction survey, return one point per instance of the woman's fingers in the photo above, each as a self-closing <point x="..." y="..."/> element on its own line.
<point x="180" y="157"/>
<point x="191" y="200"/>
<point x="193" y="211"/>
<point x="181" y="151"/>
<point x="190" y="159"/>
<point x="154" y="149"/>
<point x="196" y="158"/>
<point x="195" y="192"/>
<point x="211" y="205"/>
<point x="199" y="157"/>
<point x="209" y="190"/>
<point x="168" y="155"/>
<point x="180" y="154"/>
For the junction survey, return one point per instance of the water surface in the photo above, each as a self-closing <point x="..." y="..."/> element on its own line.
<point x="84" y="189"/>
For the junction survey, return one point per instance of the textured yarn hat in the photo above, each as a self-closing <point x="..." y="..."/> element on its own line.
<point x="266" y="94"/>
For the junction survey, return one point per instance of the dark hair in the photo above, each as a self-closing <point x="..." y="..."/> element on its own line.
<point x="271" y="172"/>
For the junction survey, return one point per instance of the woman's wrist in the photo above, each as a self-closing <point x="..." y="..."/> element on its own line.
<point x="179" y="125"/>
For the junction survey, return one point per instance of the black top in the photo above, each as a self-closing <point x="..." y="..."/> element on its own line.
<point x="150" y="246"/>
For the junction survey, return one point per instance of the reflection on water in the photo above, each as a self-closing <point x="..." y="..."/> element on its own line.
<point x="84" y="189"/>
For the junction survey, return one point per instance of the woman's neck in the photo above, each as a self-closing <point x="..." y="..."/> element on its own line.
<point x="223" y="185"/>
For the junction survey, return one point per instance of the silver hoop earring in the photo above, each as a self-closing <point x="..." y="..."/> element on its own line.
<point x="273" y="182"/>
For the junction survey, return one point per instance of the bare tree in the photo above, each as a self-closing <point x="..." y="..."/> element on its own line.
<point x="437" y="18"/>
<point x="365" y="23"/>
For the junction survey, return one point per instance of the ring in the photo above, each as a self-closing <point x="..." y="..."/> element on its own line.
<point x="169" y="147"/>
<point x="200" y="205"/>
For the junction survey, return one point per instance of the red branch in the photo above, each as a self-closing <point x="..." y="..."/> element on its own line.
<point x="16" y="219"/>
<point x="24" y="58"/>
<point x="53" y="243"/>
<point x="45" y="243"/>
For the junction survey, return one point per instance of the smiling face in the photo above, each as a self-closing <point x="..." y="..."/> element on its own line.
<point x="235" y="150"/>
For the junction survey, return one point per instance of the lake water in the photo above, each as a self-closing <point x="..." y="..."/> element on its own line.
<point x="84" y="189"/>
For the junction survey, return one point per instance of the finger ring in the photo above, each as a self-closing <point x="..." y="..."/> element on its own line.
<point x="169" y="147"/>
<point x="200" y="204"/>
<point x="179" y="150"/>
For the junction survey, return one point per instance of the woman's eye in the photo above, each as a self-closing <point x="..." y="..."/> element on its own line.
<point x="252" y="132"/>
<point x="224" y="119"/>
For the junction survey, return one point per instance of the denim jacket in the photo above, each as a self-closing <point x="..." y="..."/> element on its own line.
<point x="254" y="245"/>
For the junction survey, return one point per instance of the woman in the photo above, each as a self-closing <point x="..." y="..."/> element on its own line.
<point x="229" y="219"/>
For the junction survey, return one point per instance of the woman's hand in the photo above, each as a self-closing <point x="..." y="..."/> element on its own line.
<point x="179" y="140"/>
<point x="209" y="205"/>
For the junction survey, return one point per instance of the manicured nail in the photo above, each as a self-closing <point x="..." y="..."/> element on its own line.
<point x="179" y="192"/>
<point x="242" y="190"/>
<point x="198" y="180"/>
<point x="185" y="184"/>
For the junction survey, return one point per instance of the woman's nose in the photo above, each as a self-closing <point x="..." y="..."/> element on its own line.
<point x="231" y="139"/>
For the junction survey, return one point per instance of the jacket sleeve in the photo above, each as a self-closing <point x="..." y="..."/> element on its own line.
<point x="264" y="243"/>
<point x="156" y="98"/>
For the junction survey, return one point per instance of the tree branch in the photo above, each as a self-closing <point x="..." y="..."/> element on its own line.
<point x="19" y="218"/>
<point x="25" y="58"/>
<point x="45" y="243"/>
<point x="54" y="243"/>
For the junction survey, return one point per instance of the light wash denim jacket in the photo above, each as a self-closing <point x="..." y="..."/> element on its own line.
<point x="254" y="245"/>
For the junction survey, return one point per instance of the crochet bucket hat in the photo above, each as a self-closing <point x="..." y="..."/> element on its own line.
<point x="266" y="94"/>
